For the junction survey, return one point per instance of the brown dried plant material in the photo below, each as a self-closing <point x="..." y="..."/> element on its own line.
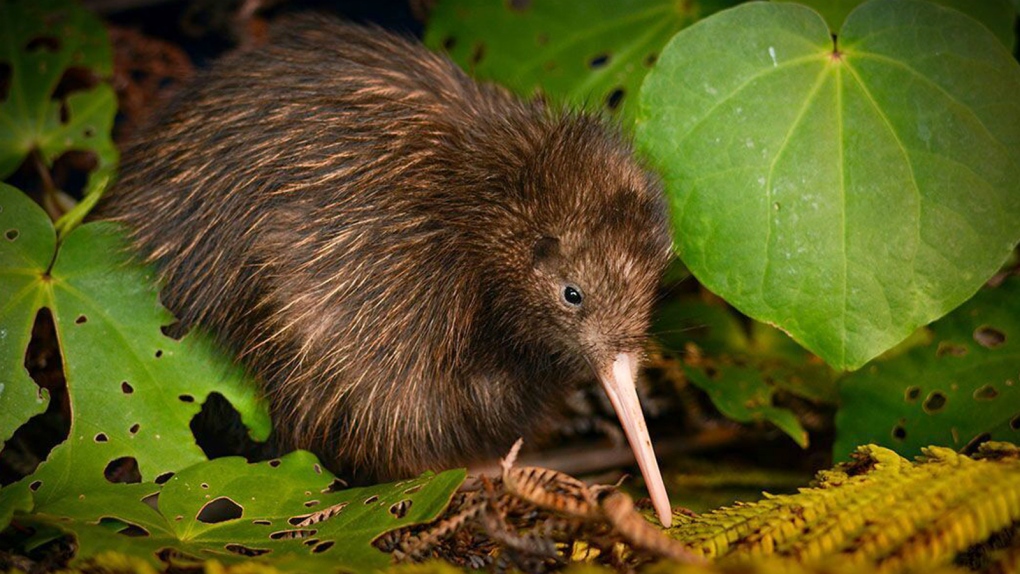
<point x="145" y="71"/>
<point x="533" y="519"/>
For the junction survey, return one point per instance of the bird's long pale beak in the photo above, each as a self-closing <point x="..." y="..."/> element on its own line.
<point x="618" y="380"/>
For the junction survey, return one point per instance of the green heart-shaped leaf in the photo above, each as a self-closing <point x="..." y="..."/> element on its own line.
<point x="845" y="194"/>
<point x="42" y="40"/>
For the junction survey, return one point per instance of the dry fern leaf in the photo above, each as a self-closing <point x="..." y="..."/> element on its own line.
<point x="879" y="510"/>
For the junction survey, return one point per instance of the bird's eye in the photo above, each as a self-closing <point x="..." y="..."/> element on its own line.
<point x="572" y="295"/>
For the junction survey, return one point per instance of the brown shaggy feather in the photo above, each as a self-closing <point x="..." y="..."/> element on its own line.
<point x="385" y="243"/>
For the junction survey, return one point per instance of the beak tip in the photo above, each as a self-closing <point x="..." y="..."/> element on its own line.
<point x="618" y="381"/>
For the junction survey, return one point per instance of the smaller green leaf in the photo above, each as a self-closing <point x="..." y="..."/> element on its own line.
<point x="742" y="395"/>
<point x="741" y="369"/>
<point x="43" y="39"/>
<point x="962" y="384"/>
<point x="284" y="512"/>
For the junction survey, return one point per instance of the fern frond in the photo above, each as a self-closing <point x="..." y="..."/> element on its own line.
<point x="879" y="510"/>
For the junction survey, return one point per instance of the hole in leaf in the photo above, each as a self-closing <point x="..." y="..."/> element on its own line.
<point x="32" y="442"/>
<point x="204" y="485"/>
<point x="311" y="503"/>
<point x="81" y="320"/>
<point x="598" y="61"/>
<point x="134" y="531"/>
<point x="162" y="478"/>
<point x="71" y="170"/>
<point x="219" y="510"/>
<point x="413" y="489"/>
<point x="43" y="44"/>
<point x="1014" y="423"/>
<point x="174" y="330"/>
<point x="219" y="431"/>
<point x="912" y="394"/>
<point x="123" y="470"/>
<point x="399" y="509"/>
<point x="243" y="550"/>
<point x="274" y="463"/>
<point x="985" y="393"/>
<point x="317" y="468"/>
<point x="101" y="437"/>
<point x="335" y="486"/>
<point x="126" y="388"/>
<point x="650" y="59"/>
<point x="311" y="542"/>
<point x="262" y="522"/>
<point x="122" y="527"/>
<point x="318" y="516"/>
<point x="948" y="348"/>
<point x="152" y="501"/>
<point x="518" y="5"/>
<point x="35" y="485"/>
<point x="159" y="353"/>
<point x="371" y="499"/>
<point x="989" y="337"/>
<point x="11" y="234"/>
<point x="898" y="432"/>
<point x="5" y="80"/>
<point x="291" y="534"/>
<point x="134" y="428"/>
<point x="173" y="555"/>
<point x="449" y="42"/>
<point x="477" y="54"/>
<point x="972" y="446"/>
<point x="322" y="547"/>
<point x="934" y="402"/>
<point x="186" y="398"/>
<point x="74" y="79"/>
<point x="615" y="98"/>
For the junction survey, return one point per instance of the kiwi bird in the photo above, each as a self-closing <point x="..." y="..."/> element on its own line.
<point x="416" y="267"/>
